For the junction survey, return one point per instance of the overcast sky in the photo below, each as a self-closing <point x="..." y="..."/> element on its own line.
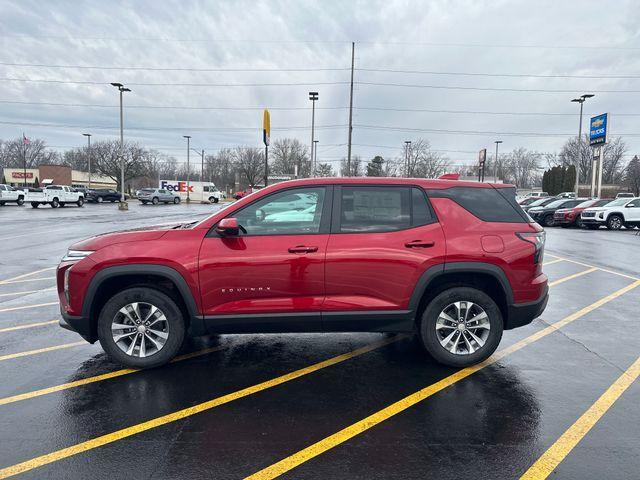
<point x="541" y="47"/>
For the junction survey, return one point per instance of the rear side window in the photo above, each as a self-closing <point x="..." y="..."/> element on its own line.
<point x="488" y="204"/>
<point x="382" y="209"/>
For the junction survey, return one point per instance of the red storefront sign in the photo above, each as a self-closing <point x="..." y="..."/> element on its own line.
<point x="21" y="175"/>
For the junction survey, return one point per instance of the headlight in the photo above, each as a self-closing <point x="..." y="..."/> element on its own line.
<point x="75" y="255"/>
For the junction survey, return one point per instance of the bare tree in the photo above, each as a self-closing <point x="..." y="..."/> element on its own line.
<point x="287" y="153"/>
<point x="250" y="164"/>
<point x="15" y="153"/>
<point x="220" y="168"/>
<point x="612" y="169"/>
<point x="522" y="168"/>
<point x="354" y="171"/>
<point x="423" y="162"/>
<point x="632" y="176"/>
<point x="324" y="170"/>
<point x="106" y="155"/>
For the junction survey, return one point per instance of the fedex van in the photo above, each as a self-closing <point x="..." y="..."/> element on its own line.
<point x="205" y="192"/>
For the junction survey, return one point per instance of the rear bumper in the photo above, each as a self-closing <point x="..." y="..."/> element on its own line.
<point x="521" y="314"/>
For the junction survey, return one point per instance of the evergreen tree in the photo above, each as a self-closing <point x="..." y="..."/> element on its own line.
<point x="375" y="167"/>
<point x="36" y="183"/>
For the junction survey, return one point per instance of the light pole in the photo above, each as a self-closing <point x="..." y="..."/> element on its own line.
<point x="121" y="88"/>
<point x="88" y="135"/>
<point x="188" y="137"/>
<point x="314" y="164"/>
<point x="581" y="99"/>
<point x="495" y="165"/>
<point x="407" y="145"/>
<point x="313" y="96"/>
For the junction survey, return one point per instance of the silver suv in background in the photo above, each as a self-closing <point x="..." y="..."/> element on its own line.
<point x="157" y="195"/>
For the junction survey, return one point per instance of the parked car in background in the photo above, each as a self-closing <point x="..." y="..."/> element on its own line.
<point x="529" y="200"/>
<point x="243" y="193"/>
<point x="198" y="191"/>
<point x="9" y="194"/>
<point x="539" y="203"/>
<point x="100" y="195"/>
<point x="566" y="195"/>
<point x="54" y="195"/>
<point x="544" y="215"/>
<point x="614" y="215"/>
<point x="533" y="195"/>
<point x="625" y="195"/>
<point x="571" y="217"/>
<point x="157" y="195"/>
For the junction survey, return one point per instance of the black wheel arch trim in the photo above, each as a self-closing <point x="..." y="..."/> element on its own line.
<point x="196" y="324"/>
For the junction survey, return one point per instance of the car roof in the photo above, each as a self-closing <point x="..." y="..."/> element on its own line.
<point x="436" y="184"/>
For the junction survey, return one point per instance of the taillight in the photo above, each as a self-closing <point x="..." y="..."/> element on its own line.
<point x="537" y="239"/>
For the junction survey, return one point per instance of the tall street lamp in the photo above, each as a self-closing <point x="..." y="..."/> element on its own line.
<point x="314" y="164"/>
<point x="313" y="96"/>
<point x="581" y="99"/>
<point x="188" y="137"/>
<point x="407" y="145"/>
<point x="495" y="165"/>
<point x="88" y="135"/>
<point x="121" y="88"/>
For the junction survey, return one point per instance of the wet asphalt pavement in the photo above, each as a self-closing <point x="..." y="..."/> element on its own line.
<point x="230" y="406"/>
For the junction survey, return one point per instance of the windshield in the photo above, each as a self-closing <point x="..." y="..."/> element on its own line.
<point x="538" y="202"/>
<point x="586" y="204"/>
<point x="556" y="203"/>
<point x="618" y="202"/>
<point x="147" y="190"/>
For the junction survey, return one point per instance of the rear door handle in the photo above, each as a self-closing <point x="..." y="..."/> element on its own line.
<point x="420" y="244"/>
<point x="302" y="249"/>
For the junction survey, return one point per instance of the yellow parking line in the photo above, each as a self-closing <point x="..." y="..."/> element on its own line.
<point x="551" y="262"/>
<point x="187" y="412"/>
<point x="26" y="292"/>
<point x="98" y="378"/>
<point x="380" y="416"/>
<point x="550" y="459"/>
<point x="631" y="277"/>
<point x="24" y="307"/>
<point x="24" y="280"/>
<point x="40" y="350"/>
<point x="26" y="275"/>
<point x="571" y="277"/>
<point x="30" y="325"/>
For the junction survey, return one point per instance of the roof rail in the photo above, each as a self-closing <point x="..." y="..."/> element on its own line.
<point x="449" y="176"/>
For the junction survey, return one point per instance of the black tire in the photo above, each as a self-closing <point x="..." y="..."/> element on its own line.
<point x="99" y="199"/>
<point x="62" y="204"/>
<point x="55" y="203"/>
<point x="80" y="202"/>
<point x="144" y="202"/>
<point x="155" y="200"/>
<point x="547" y="220"/>
<point x="20" y="201"/>
<point x="429" y="335"/>
<point x="615" y="222"/>
<point x="216" y="199"/>
<point x="176" y="200"/>
<point x="1" y="204"/>
<point x="35" y="204"/>
<point x="172" y="312"/>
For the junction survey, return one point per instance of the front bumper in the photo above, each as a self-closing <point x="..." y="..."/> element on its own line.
<point x="80" y="325"/>
<point x="521" y="314"/>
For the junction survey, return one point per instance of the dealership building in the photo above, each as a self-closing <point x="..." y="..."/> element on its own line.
<point x="55" y="175"/>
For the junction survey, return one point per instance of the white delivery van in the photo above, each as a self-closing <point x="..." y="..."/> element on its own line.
<point x="198" y="191"/>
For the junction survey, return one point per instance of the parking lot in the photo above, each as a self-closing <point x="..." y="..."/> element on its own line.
<point x="557" y="399"/>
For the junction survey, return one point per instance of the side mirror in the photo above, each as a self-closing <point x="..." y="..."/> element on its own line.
<point x="228" y="227"/>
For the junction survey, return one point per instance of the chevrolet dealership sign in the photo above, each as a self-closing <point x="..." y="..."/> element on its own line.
<point x="598" y="129"/>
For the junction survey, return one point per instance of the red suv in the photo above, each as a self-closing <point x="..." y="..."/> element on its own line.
<point x="455" y="262"/>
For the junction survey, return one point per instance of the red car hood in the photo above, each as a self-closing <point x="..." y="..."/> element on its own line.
<point x="133" y="235"/>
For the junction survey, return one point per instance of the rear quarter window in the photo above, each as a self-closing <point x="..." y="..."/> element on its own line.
<point x="487" y="204"/>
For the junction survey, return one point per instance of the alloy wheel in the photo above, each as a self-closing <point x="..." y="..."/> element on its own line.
<point x="462" y="328"/>
<point x="140" y="329"/>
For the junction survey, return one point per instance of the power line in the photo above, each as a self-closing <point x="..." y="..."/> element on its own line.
<point x="477" y="132"/>
<point x="489" y="89"/>
<point x="174" y="84"/>
<point x="485" y="74"/>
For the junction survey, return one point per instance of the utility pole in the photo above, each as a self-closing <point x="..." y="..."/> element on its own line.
<point x="123" y="204"/>
<point x="407" y="146"/>
<point x="202" y="167"/>
<point x="313" y="96"/>
<point x="495" y="164"/>
<point x="24" y="161"/>
<point x="581" y="99"/>
<point x="353" y="50"/>
<point x="88" y="135"/>
<point x="188" y="137"/>
<point x="314" y="163"/>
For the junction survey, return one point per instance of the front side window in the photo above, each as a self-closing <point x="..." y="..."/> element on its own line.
<point x="634" y="204"/>
<point x="375" y="209"/>
<point x="291" y="212"/>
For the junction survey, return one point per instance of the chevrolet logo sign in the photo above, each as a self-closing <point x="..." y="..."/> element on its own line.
<point x="597" y="123"/>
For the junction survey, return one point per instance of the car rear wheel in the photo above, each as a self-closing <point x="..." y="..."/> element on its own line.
<point x="20" y="201"/>
<point x="548" y="221"/>
<point x="35" y="204"/>
<point x="141" y="328"/>
<point x="155" y="200"/>
<point x="614" y="222"/>
<point x="461" y="326"/>
<point x="55" y="203"/>
<point x="99" y="199"/>
<point x="80" y="202"/>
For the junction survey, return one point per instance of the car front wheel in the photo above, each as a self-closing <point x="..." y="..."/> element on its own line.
<point x="548" y="221"/>
<point x="461" y="326"/>
<point x="176" y="200"/>
<point x="141" y="328"/>
<point x="155" y="200"/>
<point x="614" y="222"/>
<point x="20" y="201"/>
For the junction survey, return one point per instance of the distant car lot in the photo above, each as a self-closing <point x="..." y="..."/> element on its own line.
<point x="240" y="404"/>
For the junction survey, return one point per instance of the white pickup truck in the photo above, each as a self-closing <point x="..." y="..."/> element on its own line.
<point x="8" y="194"/>
<point x="54" y="195"/>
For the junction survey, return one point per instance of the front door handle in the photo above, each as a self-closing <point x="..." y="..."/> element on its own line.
<point x="302" y="249"/>
<point x="420" y="244"/>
